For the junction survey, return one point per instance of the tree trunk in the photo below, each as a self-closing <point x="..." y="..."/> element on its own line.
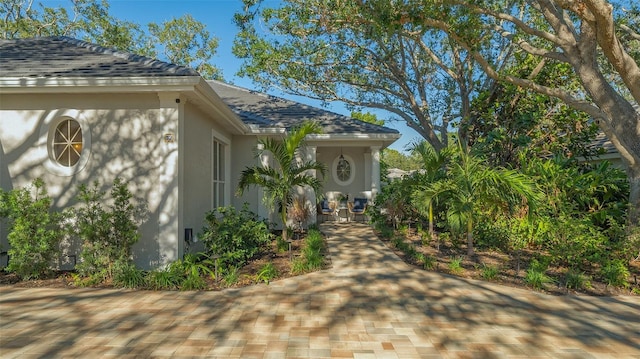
<point x="470" y="238"/>
<point x="634" y="195"/>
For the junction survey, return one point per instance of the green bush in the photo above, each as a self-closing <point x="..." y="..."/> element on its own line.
<point x="536" y="275"/>
<point x="266" y="273"/>
<point x="235" y="236"/>
<point x="576" y="280"/>
<point x="168" y="278"/>
<point x="311" y="255"/>
<point x="34" y="232"/>
<point x="615" y="273"/>
<point x="125" y="274"/>
<point x="455" y="265"/>
<point x="107" y="234"/>
<point x="489" y="272"/>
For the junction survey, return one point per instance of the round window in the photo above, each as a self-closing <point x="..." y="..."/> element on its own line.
<point x="67" y="143"/>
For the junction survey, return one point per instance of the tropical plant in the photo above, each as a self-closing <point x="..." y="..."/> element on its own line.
<point x="266" y="273"/>
<point x="289" y="172"/>
<point x="432" y="169"/>
<point x="34" y="230"/>
<point x="470" y="186"/>
<point x="235" y="236"/>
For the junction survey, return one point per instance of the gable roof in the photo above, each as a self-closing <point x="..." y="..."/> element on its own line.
<point x="260" y="110"/>
<point x="60" y="56"/>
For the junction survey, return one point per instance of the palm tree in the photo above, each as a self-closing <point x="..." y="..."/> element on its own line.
<point x="289" y="171"/>
<point x="470" y="186"/>
<point x="432" y="164"/>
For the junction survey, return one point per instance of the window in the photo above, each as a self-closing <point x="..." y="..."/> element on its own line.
<point x="343" y="170"/>
<point x="218" y="173"/>
<point x="67" y="143"/>
<point x="67" y="148"/>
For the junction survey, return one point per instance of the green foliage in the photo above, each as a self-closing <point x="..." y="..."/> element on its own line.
<point x="107" y="234"/>
<point x="367" y="117"/>
<point x="455" y="265"/>
<point x="266" y="273"/>
<point x="489" y="272"/>
<point x="187" y="42"/>
<point x="577" y="280"/>
<point x="615" y="273"/>
<point x="165" y="279"/>
<point x="235" y="236"/>
<point x="281" y="245"/>
<point x="230" y="276"/>
<point x="281" y="180"/>
<point x="536" y="275"/>
<point x="312" y="257"/>
<point x="428" y="261"/>
<point x="34" y="232"/>
<point x="125" y="274"/>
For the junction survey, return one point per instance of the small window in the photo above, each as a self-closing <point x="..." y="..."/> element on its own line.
<point x="67" y="148"/>
<point x="343" y="170"/>
<point x="67" y="143"/>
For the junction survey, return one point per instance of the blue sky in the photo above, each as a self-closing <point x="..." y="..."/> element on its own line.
<point x="217" y="15"/>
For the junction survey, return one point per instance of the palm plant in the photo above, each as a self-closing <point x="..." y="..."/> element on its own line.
<point x="432" y="164"/>
<point x="288" y="172"/>
<point x="471" y="186"/>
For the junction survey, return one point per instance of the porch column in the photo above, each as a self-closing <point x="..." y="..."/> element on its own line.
<point x="310" y="155"/>
<point x="375" y="171"/>
<point x="167" y="199"/>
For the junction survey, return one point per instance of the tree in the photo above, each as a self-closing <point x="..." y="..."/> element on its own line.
<point x="183" y="41"/>
<point x="187" y="42"/>
<point x="470" y="185"/>
<point x="288" y="173"/>
<point x="331" y="51"/>
<point x="586" y="36"/>
<point x="367" y="117"/>
<point x="432" y="165"/>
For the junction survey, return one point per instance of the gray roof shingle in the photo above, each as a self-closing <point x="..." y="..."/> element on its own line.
<point x="59" y="56"/>
<point x="255" y="108"/>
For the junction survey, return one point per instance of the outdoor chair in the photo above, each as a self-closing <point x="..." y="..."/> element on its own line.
<point x="326" y="208"/>
<point x="358" y="208"/>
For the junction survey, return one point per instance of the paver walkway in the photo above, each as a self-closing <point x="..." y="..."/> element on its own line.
<point x="368" y="305"/>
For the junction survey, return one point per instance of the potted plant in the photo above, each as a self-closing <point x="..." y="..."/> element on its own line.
<point x="342" y="200"/>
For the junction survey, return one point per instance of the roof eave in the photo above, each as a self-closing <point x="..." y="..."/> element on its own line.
<point x="97" y="84"/>
<point x="206" y="94"/>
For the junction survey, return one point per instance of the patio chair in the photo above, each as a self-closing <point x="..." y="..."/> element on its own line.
<point x="358" y="208"/>
<point x="326" y="208"/>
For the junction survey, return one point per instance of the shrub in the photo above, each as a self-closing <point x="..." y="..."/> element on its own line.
<point x="168" y="278"/>
<point x="230" y="276"/>
<point x="615" y="273"/>
<point x="536" y="276"/>
<point x="35" y="232"/>
<point x="125" y="274"/>
<point x="489" y="272"/>
<point x="576" y="280"/>
<point x="235" y="236"/>
<point x="107" y="234"/>
<point x="455" y="265"/>
<point x="311" y="255"/>
<point x="266" y="273"/>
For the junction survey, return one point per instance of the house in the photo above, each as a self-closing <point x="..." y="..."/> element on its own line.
<point x="72" y="112"/>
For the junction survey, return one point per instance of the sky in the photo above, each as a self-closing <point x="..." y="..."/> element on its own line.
<point x="217" y="15"/>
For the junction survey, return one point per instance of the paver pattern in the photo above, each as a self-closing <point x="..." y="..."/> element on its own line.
<point x="369" y="304"/>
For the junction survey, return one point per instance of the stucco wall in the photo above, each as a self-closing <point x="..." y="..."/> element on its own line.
<point x="198" y="162"/>
<point x="126" y="141"/>
<point x="328" y="155"/>
<point x="243" y="154"/>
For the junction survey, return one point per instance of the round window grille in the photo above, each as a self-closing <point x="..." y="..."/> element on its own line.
<point x="67" y="143"/>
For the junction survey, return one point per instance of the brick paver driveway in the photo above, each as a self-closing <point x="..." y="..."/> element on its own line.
<point x="368" y="305"/>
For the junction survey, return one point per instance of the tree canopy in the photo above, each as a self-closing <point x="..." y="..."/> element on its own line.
<point x="409" y="57"/>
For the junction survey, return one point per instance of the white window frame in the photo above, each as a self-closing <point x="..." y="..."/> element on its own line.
<point x="47" y="135"/>
<point x="334" y="170"/>
<point x="219" y="175"/>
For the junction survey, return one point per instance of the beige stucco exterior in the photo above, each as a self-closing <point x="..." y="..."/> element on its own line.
<point x="128" y="139"/>
<point x="158" y="137"/>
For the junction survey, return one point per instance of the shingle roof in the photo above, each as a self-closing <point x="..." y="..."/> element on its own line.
<point x="60" y="56"/>
<point x="255" y="108"/>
